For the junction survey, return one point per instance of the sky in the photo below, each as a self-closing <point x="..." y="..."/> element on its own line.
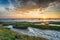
<point x="29" y="8"/>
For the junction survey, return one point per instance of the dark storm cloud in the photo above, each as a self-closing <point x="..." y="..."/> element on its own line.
<point x="40" y="2"/>
<point x="25" y="4"/>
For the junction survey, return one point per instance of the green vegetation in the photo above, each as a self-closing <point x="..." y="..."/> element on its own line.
<point x="1" y="22"/>
<point x="47" y="27"/>
<point x="54" y="28"/>
<point x="22" y="25"/>
<point x="25" y="25"/>
<point x="25" y="37"/>
<point x="55" y="23"/>
<point x="6" y="34"/>
<point x="6" y="23"/>
<point x="39" y="26"/>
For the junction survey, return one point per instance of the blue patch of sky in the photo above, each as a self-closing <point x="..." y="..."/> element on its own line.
<point x="6" y="3"/>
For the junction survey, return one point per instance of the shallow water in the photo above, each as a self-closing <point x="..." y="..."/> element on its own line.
<point x="49" y="34"/>
<point x="17" y="20"/>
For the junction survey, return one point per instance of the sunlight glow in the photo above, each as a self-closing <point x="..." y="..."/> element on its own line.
<point x="44" y="19"/>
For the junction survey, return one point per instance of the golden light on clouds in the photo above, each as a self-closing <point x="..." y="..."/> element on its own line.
<point x="33" y="13"/>
<point x="32" y="16"/>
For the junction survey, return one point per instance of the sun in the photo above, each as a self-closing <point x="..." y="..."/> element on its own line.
<point x="44" y="19"/>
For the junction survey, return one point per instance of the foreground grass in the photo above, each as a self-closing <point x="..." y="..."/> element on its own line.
<point x="6" y="34"/>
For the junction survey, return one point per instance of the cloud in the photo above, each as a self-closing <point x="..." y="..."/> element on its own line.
<point x="40" y="3"/>
<point x="7" y="10"/>
<point x="33" y="4"/>
<point x="21" y="6"/>
<point x="3" y="10"/>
